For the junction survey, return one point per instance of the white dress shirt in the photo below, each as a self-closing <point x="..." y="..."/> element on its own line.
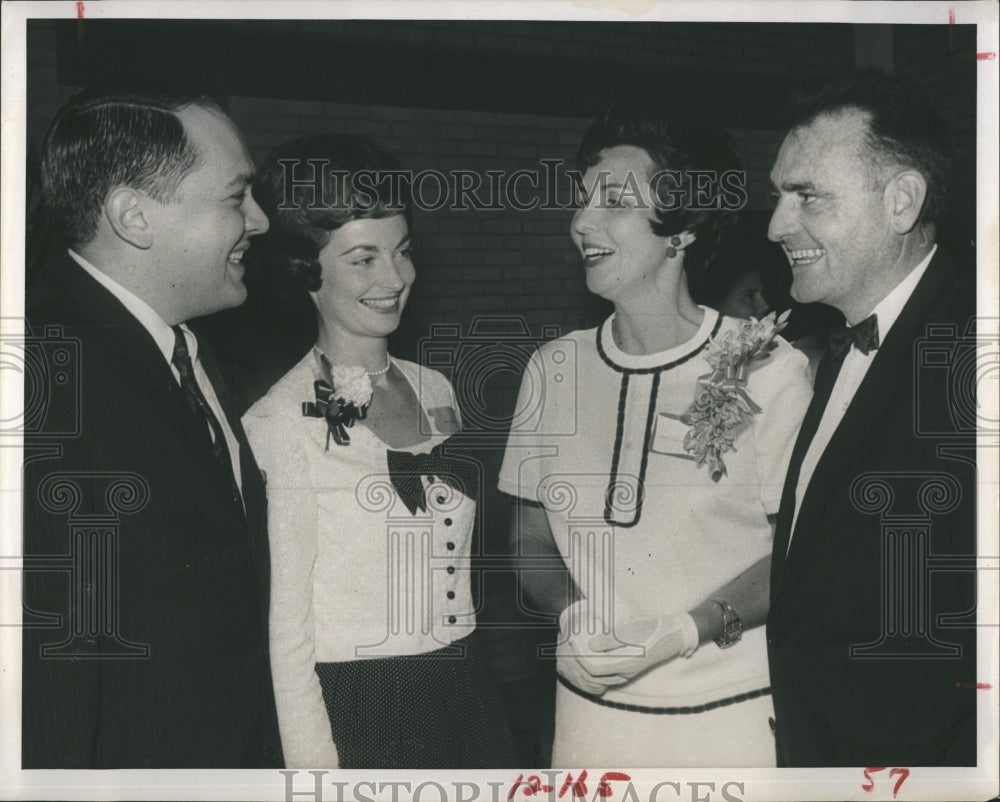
<point x="852" y="373"/>
<point x="163" y="336"/>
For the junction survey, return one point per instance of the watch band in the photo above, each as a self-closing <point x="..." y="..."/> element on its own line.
<point x="732" y="626"/>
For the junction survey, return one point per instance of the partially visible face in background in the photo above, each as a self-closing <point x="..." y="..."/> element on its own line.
<point x="746" y="297"/>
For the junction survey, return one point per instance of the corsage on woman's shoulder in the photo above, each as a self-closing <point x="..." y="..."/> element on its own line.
<point x="341" y="401"/>
<point x="722" y="406"/>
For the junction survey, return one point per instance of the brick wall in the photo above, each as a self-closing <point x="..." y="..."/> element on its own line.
<point x="509" y="262"/>
<point x="774" y="50"/>
<point x="479" y="261"/>
<point x="941" y="59"/>
<point x="505" y="262"/>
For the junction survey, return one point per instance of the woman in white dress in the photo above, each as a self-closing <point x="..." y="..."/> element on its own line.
<point x="371" y="510"/>
<point x="657" y="503"/>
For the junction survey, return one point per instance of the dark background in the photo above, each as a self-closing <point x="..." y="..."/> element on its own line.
<point x="492" y="96"/>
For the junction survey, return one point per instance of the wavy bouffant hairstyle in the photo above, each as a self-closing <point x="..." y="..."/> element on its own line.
<point x="682" y="148"/>
<point x="309" y="188"/>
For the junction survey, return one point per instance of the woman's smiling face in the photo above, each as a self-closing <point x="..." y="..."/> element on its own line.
<point x="367" y="275"/>
<point x="621" y="254"/>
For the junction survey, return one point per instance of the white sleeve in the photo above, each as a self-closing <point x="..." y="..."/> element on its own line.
<point x="521" y="472"/>
<point x="292" y="520"/>
<point x="782" y="389"/>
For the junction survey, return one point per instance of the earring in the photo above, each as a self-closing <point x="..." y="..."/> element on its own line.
<point x="675" y="242"/>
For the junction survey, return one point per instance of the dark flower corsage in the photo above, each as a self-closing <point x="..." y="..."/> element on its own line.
<point x="341" y="403"/>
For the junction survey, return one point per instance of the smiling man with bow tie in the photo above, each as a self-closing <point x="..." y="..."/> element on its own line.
<point x="865" y="668"/>
<point x="146" y="555"/>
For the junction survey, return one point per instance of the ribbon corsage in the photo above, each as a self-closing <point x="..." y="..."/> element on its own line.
<point x="340" y="403"/>
<point x="451" y="464"/>
<point x="722" y="406"/>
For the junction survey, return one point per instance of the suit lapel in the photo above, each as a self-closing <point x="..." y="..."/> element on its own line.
<point x="253" y="489"/>
<point x="126" y="346"/>
<point x="138" y="365"/>
<point x="865" y="415"/>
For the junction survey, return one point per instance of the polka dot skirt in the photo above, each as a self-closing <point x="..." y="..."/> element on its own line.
<point x="439" y="710"/>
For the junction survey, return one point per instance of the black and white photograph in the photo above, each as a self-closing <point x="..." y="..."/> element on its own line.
<point x="561" y="400"/>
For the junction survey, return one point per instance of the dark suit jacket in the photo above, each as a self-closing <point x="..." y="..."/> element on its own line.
<point x="145" y="588"/>
<point x="864" y="669"/>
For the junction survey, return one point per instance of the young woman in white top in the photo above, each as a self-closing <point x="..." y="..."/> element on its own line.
<point x="371" y="510"/>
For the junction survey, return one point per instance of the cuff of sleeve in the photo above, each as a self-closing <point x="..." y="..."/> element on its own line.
<point x="689" y="630"/>
<point x="771" y="505"/>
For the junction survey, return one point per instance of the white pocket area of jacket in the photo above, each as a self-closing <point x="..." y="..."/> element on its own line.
<point x="668" y="436"/>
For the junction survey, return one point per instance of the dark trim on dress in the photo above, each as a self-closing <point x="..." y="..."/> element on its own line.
<point x="656" y="368"/>
<point x="616" y="453"/>
<point x="666" y="711"/>
<point x="650" y="417"/>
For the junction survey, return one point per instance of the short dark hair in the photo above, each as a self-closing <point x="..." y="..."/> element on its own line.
<point x="676" y="146"/>
<point x="301" y="222"/>
<point x="904" y="129"/>
<point x="106" y="138"/>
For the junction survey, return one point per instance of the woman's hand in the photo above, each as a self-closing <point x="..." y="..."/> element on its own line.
<point x="575" y="625"/>
<point x="637" y="646"/>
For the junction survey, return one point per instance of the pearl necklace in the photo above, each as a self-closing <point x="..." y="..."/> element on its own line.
<point x="331" y="361"/>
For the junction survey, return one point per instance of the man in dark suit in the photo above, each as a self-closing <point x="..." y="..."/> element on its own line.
<point x="871" y="631"/>
<point x="146" y="577"/>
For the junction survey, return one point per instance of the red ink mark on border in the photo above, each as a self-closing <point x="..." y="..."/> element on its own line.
<point x="979" y="686"/>
<point x="985" y="56"/>
<point x="579" y="787"/>
<point x="951" y="16"/>
<point x="603" y="787"/>
<point x="870" y="784"/>
<point x="903" y="774"/>
<point x="79" y="9"/>
<point x="533" y="785"/>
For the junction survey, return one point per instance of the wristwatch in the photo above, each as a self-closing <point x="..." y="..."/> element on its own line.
<point x="732" y="626"/>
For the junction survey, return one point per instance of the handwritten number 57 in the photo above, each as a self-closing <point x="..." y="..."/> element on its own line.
<point x="869" y="783"/>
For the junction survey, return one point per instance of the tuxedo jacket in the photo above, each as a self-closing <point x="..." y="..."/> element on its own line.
<point x="145" y="586"/>
<point x="870" y="633"/>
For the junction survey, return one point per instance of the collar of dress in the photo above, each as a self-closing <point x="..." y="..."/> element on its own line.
<point x="618" y="360"/>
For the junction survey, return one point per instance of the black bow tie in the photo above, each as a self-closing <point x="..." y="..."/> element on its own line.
<point x="457" y="469"/>
<point x="863" y="336"/>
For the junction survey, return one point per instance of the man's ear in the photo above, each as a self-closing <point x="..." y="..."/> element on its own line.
<point x="905" y="195"/>
<point x="125" y="211"/>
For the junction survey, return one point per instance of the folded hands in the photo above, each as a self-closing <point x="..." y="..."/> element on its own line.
<point x="593" y="656"/>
